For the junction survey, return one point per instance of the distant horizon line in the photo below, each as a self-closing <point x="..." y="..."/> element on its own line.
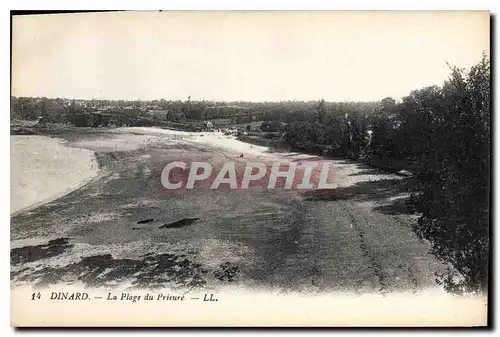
<point x="209" y="100"/>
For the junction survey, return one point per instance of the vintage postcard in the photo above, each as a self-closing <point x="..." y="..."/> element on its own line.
<point x="250" y="168"/>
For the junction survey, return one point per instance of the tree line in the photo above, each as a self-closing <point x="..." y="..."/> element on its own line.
<point x="61" y="110"/>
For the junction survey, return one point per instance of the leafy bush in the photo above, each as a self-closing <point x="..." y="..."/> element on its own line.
<point x="454" y="175"/>
<point x="345" y="136"/>
<point x="303" y="135"/>
<point x="271" y="126"/>
<point x="446" y="131"/>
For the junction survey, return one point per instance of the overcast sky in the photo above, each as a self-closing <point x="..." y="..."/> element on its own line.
<point x="254" y="56"/>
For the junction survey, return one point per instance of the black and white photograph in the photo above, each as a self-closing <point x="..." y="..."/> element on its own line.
<point x="250" y="168"/>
